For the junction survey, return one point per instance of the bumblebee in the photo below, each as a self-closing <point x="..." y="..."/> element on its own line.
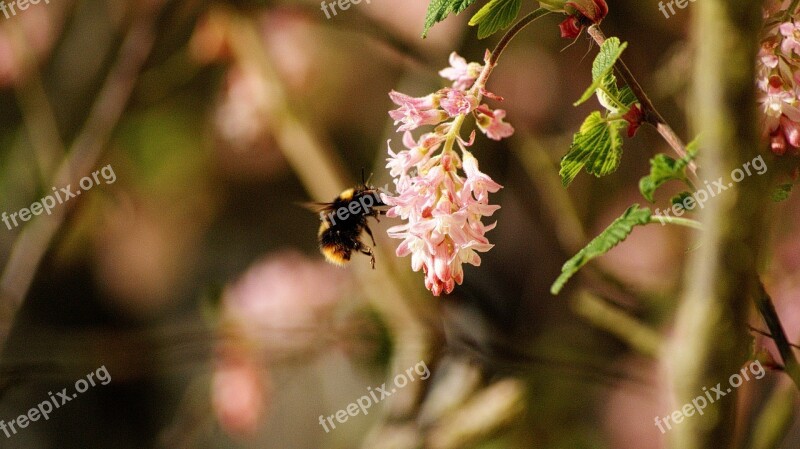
<point x="344" y="219"/>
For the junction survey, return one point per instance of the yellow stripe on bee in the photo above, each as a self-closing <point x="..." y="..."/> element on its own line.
<point x="323" y="226"/>
<point x="347" y="195"/>
<point x="333" y="256"/>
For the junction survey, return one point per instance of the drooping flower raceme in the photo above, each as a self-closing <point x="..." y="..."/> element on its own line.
<point x="443" y="196"/>
<point x="778" y="81"/>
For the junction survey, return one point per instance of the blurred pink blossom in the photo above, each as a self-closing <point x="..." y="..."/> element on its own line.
<point x="778" y="67"/>
<point x="239" y="394"/>
<point x="284" y="299"/>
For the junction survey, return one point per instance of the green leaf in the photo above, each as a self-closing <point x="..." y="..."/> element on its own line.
<point x="613" y="235"/>
<point x="627" y="97"/>
<point x="597" y="146"/>
<point x="494" y="16"/>
<point x="680" y="198"/>
<point x="782" y="192"/>
<point x="602" y="69"/>
<point x="664" y="168"/>
<point x="609" y="52"/>
<point x="438" y="10"/>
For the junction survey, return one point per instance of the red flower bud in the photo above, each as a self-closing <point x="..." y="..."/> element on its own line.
<point x="582" y="13"/>
<point x="570" y="28"/>
<point x="634" y="117"/>
<point x="594" y="10"/>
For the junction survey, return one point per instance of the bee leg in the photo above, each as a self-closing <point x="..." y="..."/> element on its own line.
<point x="369" y="232"/>
<point x="368" y="251"/>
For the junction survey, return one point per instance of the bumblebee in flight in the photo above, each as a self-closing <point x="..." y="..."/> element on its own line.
<point x="343" y="221"/>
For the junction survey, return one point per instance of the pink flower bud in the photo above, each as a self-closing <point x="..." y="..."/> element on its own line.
<point x="492" y="124"/>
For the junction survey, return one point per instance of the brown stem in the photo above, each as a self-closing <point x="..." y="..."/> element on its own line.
<point x="33" y="241"/>
<point x="767" y="310"/>
<point x="790" y="10"/>
<point x="709" y="341"/>
<point x="37" y="113"/>
<point x="768" y="335"/>
<point x="504" y="41"/>
<point x="651" y="114"/>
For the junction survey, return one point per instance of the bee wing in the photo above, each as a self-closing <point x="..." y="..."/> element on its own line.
<point x="314" y="206"/>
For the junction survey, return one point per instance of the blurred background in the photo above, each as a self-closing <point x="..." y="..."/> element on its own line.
<point x="194" y="277"/>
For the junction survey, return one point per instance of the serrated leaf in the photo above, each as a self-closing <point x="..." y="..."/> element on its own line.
<point x="613" y="235"/>
<point x="782" y="192"/>
<point x="663" y="169"/>
<point x="602" y="75"/>
<point x="680" y="198"/>
<point x="494" y="16"/>
<point x="627" y="97"/>
<point x="438" y="10"/>
<point x="615" y="97"/>
<point x="597" y="147"/>
<point x="609" y="100"/>
<point x="609" y="52"/>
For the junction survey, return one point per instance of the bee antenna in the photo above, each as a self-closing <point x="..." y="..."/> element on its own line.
<point x="364" y="180"/>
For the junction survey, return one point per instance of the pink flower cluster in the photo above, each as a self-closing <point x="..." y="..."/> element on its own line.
<point x="779" y="82"/>
<point x="442" y="208"/>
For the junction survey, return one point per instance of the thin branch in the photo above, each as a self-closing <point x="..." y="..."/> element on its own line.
<point x="767" y="309"/>
<point x="651" y="114"/>
<point x="613" y="320"/>
<point x="504" y="41"/>
<point x="790" y="10"/>
<point x="768" y="335"/>
<point x="411" y="319"/>
<point x="511" y="33"/>
<point x="686" y="222"/>
<point x="34" y="240"/>
<point x="37" y="112"/>
<point x="776" y="418"/>
<point x="710" y="341"/>
<point x="560" y="208"/>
